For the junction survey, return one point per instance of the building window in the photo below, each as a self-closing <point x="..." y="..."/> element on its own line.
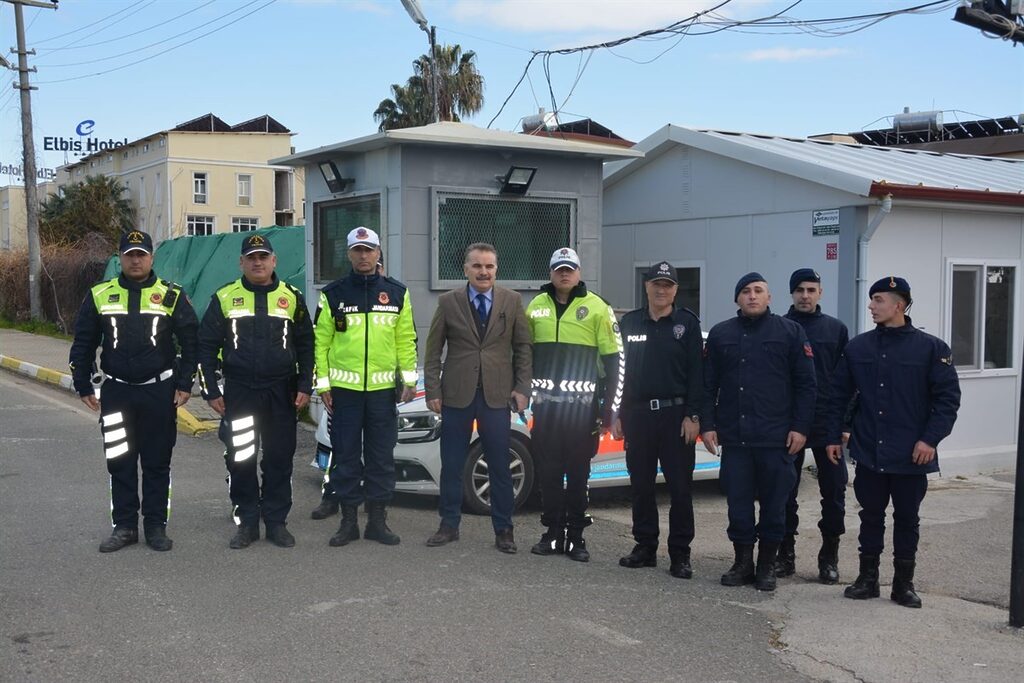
<point x="110" y="158"/>
<point x="244" y="223"/>
<point x="124" y="154"/>
<point x="162" y="142"/>
<point x="199" y="225"/>
<point x="982" y="305"/>
<point x="244" y="189"/>
<point x="524" y="231"/>
<point x="688" y="295"/>
<point x="145" y="148"/>
<point x="142" y="190"/>
<point x="157" y="191"/>
<point x="334" y="220"/>
<point x="199" y="195"/>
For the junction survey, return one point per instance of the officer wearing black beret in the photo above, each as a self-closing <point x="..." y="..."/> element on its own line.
<point x="908" y="398"/>
<point x="759" y="392"/>
<point x="828" y="338"/>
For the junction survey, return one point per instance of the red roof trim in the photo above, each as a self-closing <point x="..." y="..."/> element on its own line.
<point x="946" y="194"/>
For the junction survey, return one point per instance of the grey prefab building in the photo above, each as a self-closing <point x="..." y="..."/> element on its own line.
<point x="431" y="191"/>
<point x="718" y="205"/>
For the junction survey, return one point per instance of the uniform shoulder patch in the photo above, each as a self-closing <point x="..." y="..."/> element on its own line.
<point x="948" y="360"/>
<point x="808" y="351"/>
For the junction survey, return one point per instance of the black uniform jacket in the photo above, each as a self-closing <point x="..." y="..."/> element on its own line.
<point x="828" y="337"/>
<point x="758" y="381"/>
<point x="139" y="351"/>
<point x="908" y="391"/>
<point x="257" y="352"/>
<point x="663" y="359"/>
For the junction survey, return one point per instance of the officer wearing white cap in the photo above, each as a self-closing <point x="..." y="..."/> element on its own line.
<point x="137" y="318"/>
<point x="365" y="346"/>
<point x="577" y="386"/>
<point x="260" y="327"/>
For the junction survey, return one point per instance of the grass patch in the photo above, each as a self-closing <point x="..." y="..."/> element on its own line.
<point x="47" y="329"/>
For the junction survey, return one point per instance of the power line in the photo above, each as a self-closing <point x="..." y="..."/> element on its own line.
<point x="82" y="28"/>
<point x="104" y="28"/>
<point x="129" y="35"/>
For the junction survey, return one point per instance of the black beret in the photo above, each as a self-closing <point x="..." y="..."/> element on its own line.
<point x="802" y="275"/>
<point x="891" y="283"/>
<point x="746" y="280"/>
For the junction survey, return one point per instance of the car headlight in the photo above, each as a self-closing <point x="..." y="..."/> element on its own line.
<point x="414" y="427"/>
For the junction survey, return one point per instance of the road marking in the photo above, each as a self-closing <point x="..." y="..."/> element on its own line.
<point x="66" y="404"/>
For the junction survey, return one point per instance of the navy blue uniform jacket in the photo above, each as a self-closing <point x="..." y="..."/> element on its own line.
<point x="908" y="392"/>
<point x="828" y="337"/>
<point x="758" y="381"/>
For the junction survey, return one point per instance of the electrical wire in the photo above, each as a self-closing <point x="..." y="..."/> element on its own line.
<point x="82" y="28"/>
<point x="129" y="35"/>
<point x="68" y="46"/>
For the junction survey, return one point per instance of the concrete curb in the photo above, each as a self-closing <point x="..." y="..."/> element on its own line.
<point x="187" y="422"/>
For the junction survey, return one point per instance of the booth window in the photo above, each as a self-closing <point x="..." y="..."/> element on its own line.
<point x="334" y="220"/>
<point x="524" y="231"/>
<point x="982" y="316"/>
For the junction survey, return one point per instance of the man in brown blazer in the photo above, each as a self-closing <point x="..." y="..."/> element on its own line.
<point x="485" y="372"/>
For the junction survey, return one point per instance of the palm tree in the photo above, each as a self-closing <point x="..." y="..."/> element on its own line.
<point x="460" y="91"/>
<point x="96" y="206"/>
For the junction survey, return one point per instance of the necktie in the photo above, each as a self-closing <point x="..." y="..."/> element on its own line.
<point x="481" y="307"/>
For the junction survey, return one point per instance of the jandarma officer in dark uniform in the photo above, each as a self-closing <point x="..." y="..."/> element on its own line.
<point x="261" y="328"/>
<point x="908" y="398"/>
<point x="660" y="417"/>
<point x="365" y="342"/>
<point x="759" y="392"/>
<point x="134" y="317"/>
<point x="577" y="360"/>
<point x="828" y="338"/>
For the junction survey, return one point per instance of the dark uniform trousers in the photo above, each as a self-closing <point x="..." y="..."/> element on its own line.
<point x="765" y="473"/>
<point x="653" y="437"/>
<point x="832" y="480"/>
<point x="564" y="438"/>
<point x="873" y="491"/>
<point x="258" y="418"/>
<point x="138" y="423"/>
<point x="364" y="431"/>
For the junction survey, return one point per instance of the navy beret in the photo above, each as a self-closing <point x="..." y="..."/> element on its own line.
<point x="802" y="275"/>
<point x="891" y="283"/>
<point x="746" y="280"/>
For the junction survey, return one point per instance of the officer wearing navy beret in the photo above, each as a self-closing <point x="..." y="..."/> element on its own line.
<point x="908" y="398"/>
<point x="759" y="392"/>
<point x="828" y="337"/>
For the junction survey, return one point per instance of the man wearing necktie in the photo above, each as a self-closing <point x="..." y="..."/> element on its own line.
<point x="486" y="369"/>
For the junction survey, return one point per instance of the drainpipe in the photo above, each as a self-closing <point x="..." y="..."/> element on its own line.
<point x="862" y="259"/>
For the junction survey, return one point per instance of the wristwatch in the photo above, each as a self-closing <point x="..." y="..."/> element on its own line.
<point x="695" y="418"/>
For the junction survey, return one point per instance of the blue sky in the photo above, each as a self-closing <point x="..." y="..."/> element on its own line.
<point x="322" y="66"/>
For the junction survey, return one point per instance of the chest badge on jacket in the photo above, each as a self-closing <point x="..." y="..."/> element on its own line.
<point x="282" y="302"/>
<point x="384" y="298"/>
<point x="156" y="298"/>
<point x="678" y="331"/>
<point x="582" y="312"/>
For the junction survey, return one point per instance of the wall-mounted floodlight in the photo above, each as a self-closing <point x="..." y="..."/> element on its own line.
<point x="517" y="180"/>
<point x="335" y="183"/>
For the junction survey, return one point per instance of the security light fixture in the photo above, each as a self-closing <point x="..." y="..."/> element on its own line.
<point x="517" y="180"/>
<point x="335" y="183"/>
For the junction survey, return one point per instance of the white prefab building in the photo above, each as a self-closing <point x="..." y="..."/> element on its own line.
<point x="718" y="205"/>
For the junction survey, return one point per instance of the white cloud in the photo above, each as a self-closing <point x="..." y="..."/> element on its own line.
<point x="558" y="16"/>
<point x="792" y="54"/>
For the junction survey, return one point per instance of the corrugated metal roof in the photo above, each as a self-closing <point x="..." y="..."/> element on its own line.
<point x="848" y="167"/>
<point x="462" y="134"/>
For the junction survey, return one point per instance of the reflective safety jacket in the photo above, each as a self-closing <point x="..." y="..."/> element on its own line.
<point x="262" y="334"/>
<point x="576" y="347"/>
<point x="134" y="321"/>
<point x="365" y="334"/>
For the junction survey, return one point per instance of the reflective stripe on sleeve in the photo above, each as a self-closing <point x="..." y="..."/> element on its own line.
<point x="410" y="377"/>
<point x="323" y="384"/>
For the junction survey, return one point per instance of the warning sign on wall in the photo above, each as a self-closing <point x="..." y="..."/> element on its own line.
<point x="831" y="251"/>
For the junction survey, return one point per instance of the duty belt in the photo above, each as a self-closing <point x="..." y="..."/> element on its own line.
<point x="659" y="403"/>
<point x="166" y="374"/>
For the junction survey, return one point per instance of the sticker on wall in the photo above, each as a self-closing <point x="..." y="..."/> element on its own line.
<point x="832" y="251"/>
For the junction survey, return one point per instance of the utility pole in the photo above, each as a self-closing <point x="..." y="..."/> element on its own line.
<point x="29" y="152"/>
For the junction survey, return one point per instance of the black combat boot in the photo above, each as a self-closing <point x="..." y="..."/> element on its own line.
<point x="828" y="559"/>
<point x="279" y="535"/>
<point x="325" y="509"/>
<point x="244" y="536"/>
<point x="785" y="563"/>
<point x="156" y="538"/>
<point x="679" y="563"/>
<point x="767" y="555"/>
<point x="576" y="547"/>
<point x="119" y="538"/>
<point x="903" y="584"/>
<point x="349" y="528"/>
<point x="866" y="585"/>
<point x="640" y="556"/>
<point x="377" y="525"/>
<point x="552" y="542"/>
<point x="742" y="570"/>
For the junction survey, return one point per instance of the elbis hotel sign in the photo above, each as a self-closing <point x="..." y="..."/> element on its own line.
<point x="84" y="143"/>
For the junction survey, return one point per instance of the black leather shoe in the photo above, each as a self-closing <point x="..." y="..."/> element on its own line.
<point x="444" y="535"/>
<point x="156" y="538"/>
<point x="119" y="538"/>
<point x="552" y="542"/>
<point x="576" y="549"/>
<point x="325" y="509"/>
<point x="680" y="564"/>
<point x="279" y="535"/>
<point x="244" y="537"/>
<point x="505" y="541"/>
<point x="641" y="556"/>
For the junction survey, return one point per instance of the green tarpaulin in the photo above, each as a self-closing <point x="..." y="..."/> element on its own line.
<point x="203" y="264"/>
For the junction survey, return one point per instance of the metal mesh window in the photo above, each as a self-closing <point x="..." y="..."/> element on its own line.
<point x="524" y="231"/>
<point x="334" y="220"/>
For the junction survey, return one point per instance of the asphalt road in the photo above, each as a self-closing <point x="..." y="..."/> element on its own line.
<point x="365" y="612"/>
